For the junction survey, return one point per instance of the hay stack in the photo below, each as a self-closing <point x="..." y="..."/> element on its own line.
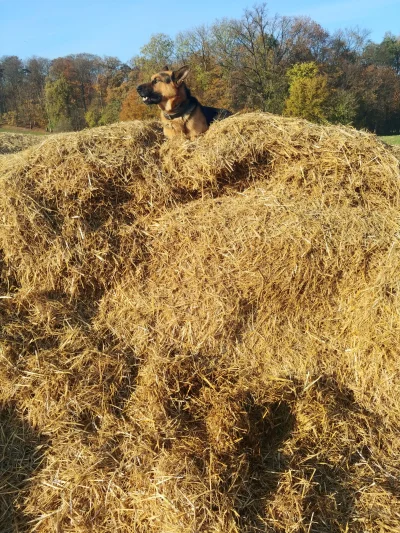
<point x="15" y="142"/>
<point x="71" y="201"/>
<point x="204" y="336"/>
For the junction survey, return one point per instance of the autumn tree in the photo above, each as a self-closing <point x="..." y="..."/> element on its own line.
<point x="63" y="96"/>
<point x="208" y="79"/>
<point x="363" y="81"/>
<point x="86" y="68"/>
<point x="154" y="55"/>
<point x="33" y="109"/>
<point x="12" y="80"/>
<point x="248" y="49"/>
<point x="305" y="41"/>
<point x="386" y="54"/>
<point x="79" y="72"/>
<point x="132" y="108"/>
<point x="22" y="90"/>
<point x="110" y="89"/>
<point x="379" y="100"/>
<point x="256" y="51"/>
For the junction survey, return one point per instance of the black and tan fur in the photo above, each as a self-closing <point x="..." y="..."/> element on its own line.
<point x="181" y="113"/>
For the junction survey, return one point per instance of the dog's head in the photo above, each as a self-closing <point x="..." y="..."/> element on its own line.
<point x="164" y="86"/>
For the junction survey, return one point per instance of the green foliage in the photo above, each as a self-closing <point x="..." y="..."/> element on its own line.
<point x="9" y="118"/>
<point x="157" y="53"/>
<point x="308" y="93"/>
<point x="387" y="53"/>
<point x="342" y="107"/>
<point x="58" y="100"/>
<point x="92" y="117"/>
<point x="110" y="113"/>
<point x="63" y="124"/>
<point x="203" y="77"/>
<point x="302" y="71"/>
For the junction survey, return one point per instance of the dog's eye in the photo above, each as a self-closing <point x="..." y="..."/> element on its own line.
<point x="155" y="81"/>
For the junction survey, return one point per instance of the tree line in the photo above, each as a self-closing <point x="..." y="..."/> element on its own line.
<point x="284" y="65"/>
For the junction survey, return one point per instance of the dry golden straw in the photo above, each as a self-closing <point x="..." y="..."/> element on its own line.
<point x="201" y="337"/>
<point x="15" y="142"/>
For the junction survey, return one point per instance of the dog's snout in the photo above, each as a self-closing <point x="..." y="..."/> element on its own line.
<point x="141" y="89"/>
<point x="149" y="96"/>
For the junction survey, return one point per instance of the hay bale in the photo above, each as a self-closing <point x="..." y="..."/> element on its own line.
<point x="15" y="142"/>
<point x="293" y="156"/>
<point x="396" y="150"/>
<point x="71" y="201"/>
<point x="21" y="451"/>
<point x="230" y="364"/>
<point x="250" y="269"/>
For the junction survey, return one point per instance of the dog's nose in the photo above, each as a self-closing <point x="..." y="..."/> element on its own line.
<point x="141" y="89"/>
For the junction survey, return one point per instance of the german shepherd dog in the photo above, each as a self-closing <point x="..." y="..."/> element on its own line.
<point x="181" y="113"/>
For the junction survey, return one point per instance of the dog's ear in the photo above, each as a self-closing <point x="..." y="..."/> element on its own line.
<point x="179" y="75"/>
<point x="165" y="68"/>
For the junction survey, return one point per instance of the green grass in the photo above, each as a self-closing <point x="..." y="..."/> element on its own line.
<point x="391" y="139"/>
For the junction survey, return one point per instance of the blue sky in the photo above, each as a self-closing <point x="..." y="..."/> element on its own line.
<point x="54" y="28"/>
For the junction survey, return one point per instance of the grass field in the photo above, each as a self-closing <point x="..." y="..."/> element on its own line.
<point x="16" y="129"/>
<point x="391" y="139"/>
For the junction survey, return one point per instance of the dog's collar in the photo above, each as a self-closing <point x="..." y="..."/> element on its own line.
<point x="184" y="109"/>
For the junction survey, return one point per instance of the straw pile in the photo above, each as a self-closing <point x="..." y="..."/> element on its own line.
<point x="396" y="150"/>
<point x="15" y="142"/>
<point x="201" y="336"/>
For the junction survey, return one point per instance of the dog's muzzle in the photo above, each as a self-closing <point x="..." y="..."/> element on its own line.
<point x="148" y="95"/>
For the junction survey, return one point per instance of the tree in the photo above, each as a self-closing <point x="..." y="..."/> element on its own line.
<point x="73" y="77"/>
<point x="86" y="68"/>
<point x="12" y="79"/>
<point x="159" y="51"/>
<point x="279" y="64"/>
<point x="253" y="50"/>
<point x="342" y="107"/>
<point x="208" y="80"/>
<point x="379" y="108"/>
<point x="108" y="91"/>
<point x="305" y="41"/>
<point x="308" y="93"/>
<point x="387" y="53"/>
<point x="133" y="108"/>
<point x="33" y="110"/>
<point x="195" y="45"/>
<point x="59" y="104"/>
<point x="111" y="112"/>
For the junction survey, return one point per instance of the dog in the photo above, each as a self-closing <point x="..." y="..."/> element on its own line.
<point x="181" y="113"/>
